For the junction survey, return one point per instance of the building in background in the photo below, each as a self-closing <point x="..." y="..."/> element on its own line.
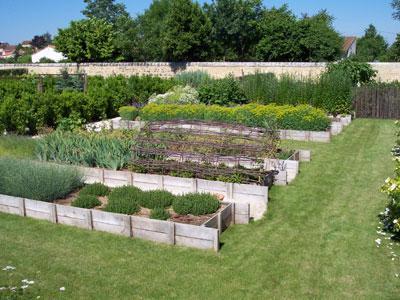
<point x="49" y="53"/>
<point x="349" y="46"/>
<point x="7" y="50"/>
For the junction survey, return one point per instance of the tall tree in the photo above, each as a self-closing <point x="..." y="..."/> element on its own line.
<point x="396" y="7"/>
<point x="107" y="10"/>
<point x="88" y="40"/>
<point x="41" y="41"/>
<point x="280" y="37"/>
<point x="187" y="32"/>
<point x="235" y="32"/>
<point x="151" y="31"/>
<point x="319" y="41"/>
<point x="393" y="53"/>
<point x="372" y="46"/>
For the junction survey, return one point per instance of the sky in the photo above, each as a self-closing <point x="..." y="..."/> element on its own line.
<point x="22" y="19"/>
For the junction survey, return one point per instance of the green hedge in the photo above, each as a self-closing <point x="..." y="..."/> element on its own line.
<point x="36" y="180"/>
<point x="24" y="110"/>
<point x="301" y="117"/>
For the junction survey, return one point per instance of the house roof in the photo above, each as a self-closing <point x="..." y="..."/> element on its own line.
<point x="348" y="42"/>
<point x="26" y="42"/>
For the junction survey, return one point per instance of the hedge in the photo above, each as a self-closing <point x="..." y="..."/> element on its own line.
<point x="301" y="117"/>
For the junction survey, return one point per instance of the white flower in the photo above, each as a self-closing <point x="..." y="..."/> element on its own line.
<point x="31" y="282"/>
<point x="393" y="187"/>
<point x="395" y="221"/>
<point x="24" y="287"/>
<point x="387" y="180"/>
<point x="8" y="268"/>
<point x="62" y="289"/>
<point x="397" y="275"/>
<point x="378" y="242"/>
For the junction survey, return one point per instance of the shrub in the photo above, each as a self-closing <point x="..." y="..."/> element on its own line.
<point x="302" y="117"/>
<point x="159" y="213"/>
<point x="36" y="180"/>
<point x="195" y="204"/>
<point x="124" y="200"/>
<point x="95" y="189"/>
<point x="86" y="201"/>
<point x="88" y="149"/>
<point x="128" y="113"/>
<point x="177" y="95"/>
<point x="193" y="78"/>
<point x="153" y="199"/>
<point x="13" y="72"/>
<point x="226" y="91"/>
<point x="358" y="72"/>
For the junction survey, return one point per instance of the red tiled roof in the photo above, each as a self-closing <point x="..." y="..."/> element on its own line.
<point x="348" y="41"/>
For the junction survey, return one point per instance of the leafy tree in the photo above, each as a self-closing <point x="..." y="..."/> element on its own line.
<point x="41" y="41"/>
<point x="87" y="40"/>
<point x="235" y="32"/>
<point x="187" y="31"/>
<point x="280" y="36"/>
<point x="318" y="39"/>
<point x="396" y="7"/>
<point x="126" y="40"/>
<point x="394" y="50"/>
<point x="151" y="31"/>
<point x="372" y="46"/>
<point x="107" y="10"/>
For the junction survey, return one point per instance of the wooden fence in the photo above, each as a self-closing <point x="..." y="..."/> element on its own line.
<point x="377" y="102"/>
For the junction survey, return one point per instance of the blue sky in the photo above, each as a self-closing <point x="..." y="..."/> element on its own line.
<point x="22" y="19"/>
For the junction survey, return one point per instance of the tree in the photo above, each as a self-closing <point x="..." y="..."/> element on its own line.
<point x="234" y="28"/>
<point x="318" y="40"/>
<point x="372" y="46"/>
<point x="393" y="53"/>
<point x="396" y="7"/>
<point x="280" y="37"/>
<point x="89" y="40"/>
<point x="187" y="32"/>
<point x="107" y="10"/>
<point x="151" y="31"/>
<point x="41" y="41"/>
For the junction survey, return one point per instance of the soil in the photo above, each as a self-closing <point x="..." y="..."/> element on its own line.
<point x="145" y="212"/>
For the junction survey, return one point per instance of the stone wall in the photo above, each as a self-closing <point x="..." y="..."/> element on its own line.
<point x="386" y="71"/>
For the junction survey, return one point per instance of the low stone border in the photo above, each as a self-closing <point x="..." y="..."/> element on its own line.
<point x="254" y="195"/>
<point x="202" y="237"/>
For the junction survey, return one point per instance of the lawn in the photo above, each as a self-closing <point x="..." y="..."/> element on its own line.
<point x="317" y="241"/>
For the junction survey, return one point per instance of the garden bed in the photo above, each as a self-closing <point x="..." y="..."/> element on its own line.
<point x="241" y="194"/>
<point x="205" y="236"/>
<point x="146" y="212"/>
<point x="336" y="128"/>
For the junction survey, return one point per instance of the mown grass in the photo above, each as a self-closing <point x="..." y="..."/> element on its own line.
<point x="17" y="146"/>
<point x="316" y="242"/>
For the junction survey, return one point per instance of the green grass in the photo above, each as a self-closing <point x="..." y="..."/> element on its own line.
<point x="317" y="241"/>
<point x="17" y="146"/>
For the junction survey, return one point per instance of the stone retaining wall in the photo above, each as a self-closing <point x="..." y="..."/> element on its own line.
<point x="386" y="71"/>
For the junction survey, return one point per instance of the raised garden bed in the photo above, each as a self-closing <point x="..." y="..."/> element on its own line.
<point x="205" y="236"/>
<point x="247" y="194"/>
<point x="336" y="128"/>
